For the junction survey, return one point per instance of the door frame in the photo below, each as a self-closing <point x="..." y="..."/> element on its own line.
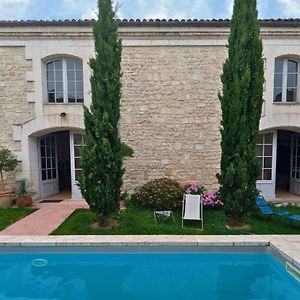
<point x="294" y="181"/>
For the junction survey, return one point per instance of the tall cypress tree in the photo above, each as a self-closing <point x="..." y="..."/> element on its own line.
<point x="101" y="161"/>
<point x="241" y="103"/>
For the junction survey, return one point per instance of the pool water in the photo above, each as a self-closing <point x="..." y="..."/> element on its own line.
<point x="125" y="276"/>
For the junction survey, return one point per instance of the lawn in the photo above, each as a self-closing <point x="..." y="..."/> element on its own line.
<point x="140" y="221"/>
<point x="11" y="215"/>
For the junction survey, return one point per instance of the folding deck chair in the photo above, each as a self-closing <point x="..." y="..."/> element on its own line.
<point x="192" y="209"/>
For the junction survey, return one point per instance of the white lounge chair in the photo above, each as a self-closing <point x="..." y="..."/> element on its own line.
<point x="192" y="209"/>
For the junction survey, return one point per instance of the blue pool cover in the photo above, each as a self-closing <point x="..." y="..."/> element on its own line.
<point x="188" y="276"/>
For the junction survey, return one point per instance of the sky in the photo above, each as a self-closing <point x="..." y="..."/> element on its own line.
<point x="175" y="9"/>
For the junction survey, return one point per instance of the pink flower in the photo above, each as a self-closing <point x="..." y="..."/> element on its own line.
<point x="210" y="199"/>
<point x="194" y="188"/>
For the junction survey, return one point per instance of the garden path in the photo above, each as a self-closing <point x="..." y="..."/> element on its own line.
<point x="46" y="219"/>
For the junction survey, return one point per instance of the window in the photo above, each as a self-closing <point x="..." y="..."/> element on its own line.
<point x="264" y="155"/>
<point x="286" y="81"/>
<point x="65" y="81"/>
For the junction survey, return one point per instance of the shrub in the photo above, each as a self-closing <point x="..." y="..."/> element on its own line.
<point x="159" y="194"/>
<point x="194" y="188"/>
<point x="210" y="199"/>
<point x="8" y="163"/>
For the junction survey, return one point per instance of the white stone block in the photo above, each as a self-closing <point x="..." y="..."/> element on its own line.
<point x="30" y="76"/>
<point x="17" y="132"/>
<point x="31" y="97"/>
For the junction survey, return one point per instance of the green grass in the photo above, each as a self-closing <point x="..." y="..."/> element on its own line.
<point x="141" y="221"/>
<point x="11" y="215"/>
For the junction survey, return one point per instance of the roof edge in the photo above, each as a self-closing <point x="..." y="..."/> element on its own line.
<point x="150" y="22"/>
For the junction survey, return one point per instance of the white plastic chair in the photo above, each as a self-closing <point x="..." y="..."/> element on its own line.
<point x="192" y="209"/>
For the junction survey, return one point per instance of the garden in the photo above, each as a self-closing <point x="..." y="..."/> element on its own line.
<point x="167" y="194"/>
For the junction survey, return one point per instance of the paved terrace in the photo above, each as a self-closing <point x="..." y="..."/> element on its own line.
<point x="287" y="245"/>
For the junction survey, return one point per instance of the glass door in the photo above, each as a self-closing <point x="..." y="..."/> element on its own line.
<point x="76" y="142"/>
<point x="48" y="166"/>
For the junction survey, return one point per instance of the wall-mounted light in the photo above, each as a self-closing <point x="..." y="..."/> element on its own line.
<point x="63" y="114"/>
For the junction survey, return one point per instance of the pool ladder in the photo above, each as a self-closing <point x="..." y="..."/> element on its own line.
<point x="293" y="270"/>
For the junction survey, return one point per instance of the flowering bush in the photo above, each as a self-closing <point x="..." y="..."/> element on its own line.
<point x="159" y="194"/>
<point x="194" y="188"/>
<point x="210" y="199"/>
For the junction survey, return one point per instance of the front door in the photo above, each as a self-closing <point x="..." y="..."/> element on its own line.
<point x="48" y="166"/>
<point x="76" y="142"/>
<point x="295" y="165"/>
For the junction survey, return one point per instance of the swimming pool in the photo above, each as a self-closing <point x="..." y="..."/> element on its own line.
<point x="142" y="273"/>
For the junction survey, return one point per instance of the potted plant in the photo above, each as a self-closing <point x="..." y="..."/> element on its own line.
<point x="8" y="163"/>
<point x="23" y="193"/>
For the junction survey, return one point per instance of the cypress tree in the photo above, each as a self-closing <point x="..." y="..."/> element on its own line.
<point x="101" y="161"/>
<point x="241" y="103"/>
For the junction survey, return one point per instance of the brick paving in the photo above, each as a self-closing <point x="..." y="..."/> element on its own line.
<point x="46" y="219"/>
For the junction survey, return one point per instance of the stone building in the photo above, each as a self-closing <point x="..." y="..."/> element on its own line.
<point x="170" y="108"/>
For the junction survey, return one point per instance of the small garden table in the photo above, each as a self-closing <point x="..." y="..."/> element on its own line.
<point x="160" y="216"/>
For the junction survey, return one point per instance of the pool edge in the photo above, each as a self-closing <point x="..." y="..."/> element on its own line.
<point x="287" y="246"/>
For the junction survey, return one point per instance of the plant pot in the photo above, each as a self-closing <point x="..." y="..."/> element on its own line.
<point x="6" y="198"/>
<point x="24" y="202"/>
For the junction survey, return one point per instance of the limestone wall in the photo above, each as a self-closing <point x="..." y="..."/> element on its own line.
<point x="14" y="108"/>
<point x="171" y="112"/>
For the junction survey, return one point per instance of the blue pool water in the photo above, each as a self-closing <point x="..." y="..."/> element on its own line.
<point x="188" y="276"/>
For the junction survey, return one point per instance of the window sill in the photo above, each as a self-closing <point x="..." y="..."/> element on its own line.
<point x="264" y="181"/>
<point x="64" y="103"/>
<point x="286" y="103"/>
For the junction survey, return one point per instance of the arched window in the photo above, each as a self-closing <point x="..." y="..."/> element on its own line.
<point x="64" y="81"/>
<point x="286" y="80"/>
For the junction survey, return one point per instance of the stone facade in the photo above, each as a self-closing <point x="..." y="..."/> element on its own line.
<point x="14" y="107"/>
<point x="171" y="113"/>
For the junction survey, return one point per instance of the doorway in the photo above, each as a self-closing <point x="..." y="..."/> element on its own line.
<point x="283" y="161"/>
<point x="63" y="160"/>
<point x="288" y="164"/>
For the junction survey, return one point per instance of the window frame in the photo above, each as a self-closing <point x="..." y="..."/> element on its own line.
<point x="263" y="156"/>
<point x="75" y="156"/>
<point x="63" y="59"/>
<point x="50" y="161"/>
<point x="284" y="82"/>
<point x="295" y="158"/>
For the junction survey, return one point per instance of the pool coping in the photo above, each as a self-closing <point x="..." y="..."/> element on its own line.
<point x="288" y="246"/>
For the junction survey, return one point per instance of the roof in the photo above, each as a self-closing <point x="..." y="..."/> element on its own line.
<point x="151" y="23"/>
